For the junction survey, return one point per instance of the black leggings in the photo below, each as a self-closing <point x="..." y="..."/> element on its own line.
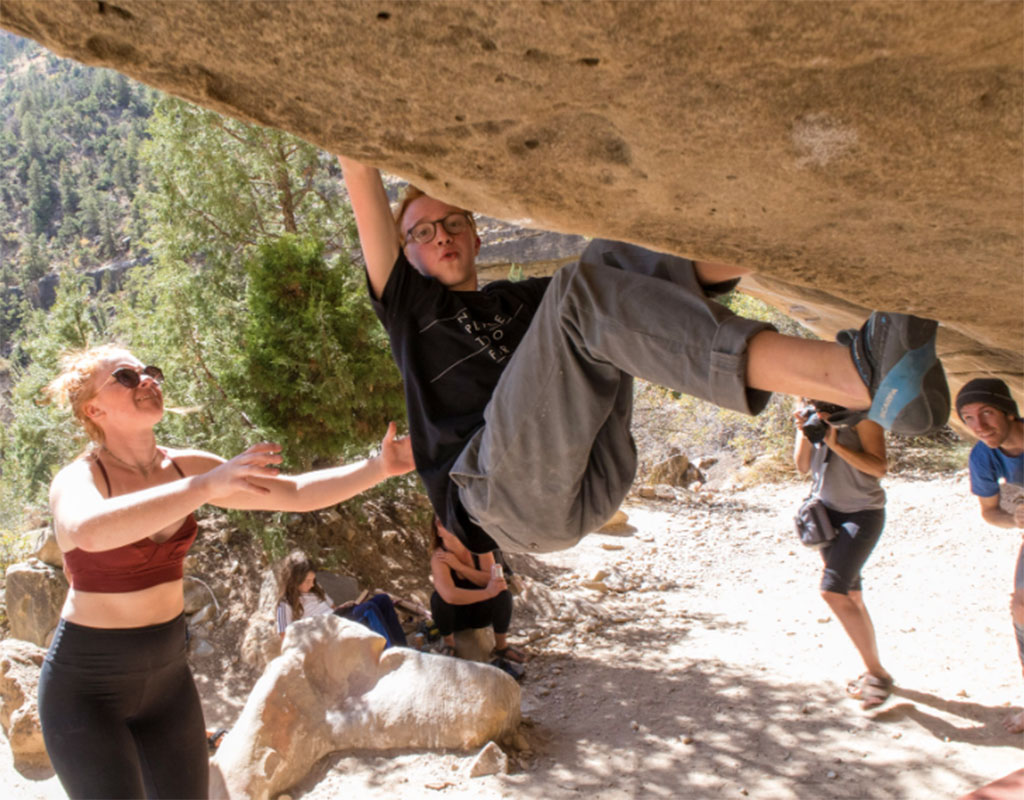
<point x="120" y="713"/>
<point x="496" y="612"/>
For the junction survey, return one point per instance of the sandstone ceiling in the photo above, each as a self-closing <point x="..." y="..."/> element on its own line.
<point x="856" y="155"/>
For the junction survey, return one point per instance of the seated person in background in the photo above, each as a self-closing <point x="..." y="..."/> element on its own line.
<point x="301" y="596"/>
<point x="468" y="593"/>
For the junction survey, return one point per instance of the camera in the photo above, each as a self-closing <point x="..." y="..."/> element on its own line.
<point x="814" y="427"/>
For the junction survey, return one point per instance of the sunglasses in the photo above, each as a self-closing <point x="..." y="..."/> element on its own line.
<point x="130" y="377"/>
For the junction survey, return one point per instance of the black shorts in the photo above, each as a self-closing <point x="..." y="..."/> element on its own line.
<point x="120" y="713"/>
<point x="857" y="533"/>
<point x="495" y="612"/>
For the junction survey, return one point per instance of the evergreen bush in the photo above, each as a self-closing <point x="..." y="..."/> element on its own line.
<point x="316" y="371"/>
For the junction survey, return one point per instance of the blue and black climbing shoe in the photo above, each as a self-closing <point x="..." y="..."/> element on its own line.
<point x="895" y="356"/>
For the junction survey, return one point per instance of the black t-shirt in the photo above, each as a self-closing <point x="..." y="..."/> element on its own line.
<point x="451" y="348"/>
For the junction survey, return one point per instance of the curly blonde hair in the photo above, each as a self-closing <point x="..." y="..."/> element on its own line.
<point x="75" y="386"/>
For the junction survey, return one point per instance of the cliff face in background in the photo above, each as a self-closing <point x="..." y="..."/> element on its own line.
<point x="856" y="155"/>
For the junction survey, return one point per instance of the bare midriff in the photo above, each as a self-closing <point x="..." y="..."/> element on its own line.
<point x="150" y="606"/>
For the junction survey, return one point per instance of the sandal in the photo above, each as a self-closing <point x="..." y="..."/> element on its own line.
<point x="509" y="653"/>
<point x="855" y="688"/>
<point x="874" y="691"/>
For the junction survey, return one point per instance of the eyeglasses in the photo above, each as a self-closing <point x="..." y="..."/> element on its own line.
<point x="129" y="377"/>
<point x="455" y="223"/>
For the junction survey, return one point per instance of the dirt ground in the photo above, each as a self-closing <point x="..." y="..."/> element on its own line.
<point x="712" y="669"/>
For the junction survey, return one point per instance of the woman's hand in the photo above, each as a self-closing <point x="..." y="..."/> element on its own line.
<point x="831" y="433"/>
<point x="802" y="446"/>
<point x="448" y="559"/>
<point x="396" y="452"/>
<point x="871" y="459"/>
<point x="496" y="585"/>
<point x="236" y="475"/>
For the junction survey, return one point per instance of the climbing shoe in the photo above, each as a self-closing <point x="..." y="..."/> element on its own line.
<point x="895" y="356"/>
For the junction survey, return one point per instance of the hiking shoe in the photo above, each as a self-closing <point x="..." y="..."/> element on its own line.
<point x="895" y="356"/>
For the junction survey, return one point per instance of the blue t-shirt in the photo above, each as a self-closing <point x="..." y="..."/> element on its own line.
<point x="988" y="466"/>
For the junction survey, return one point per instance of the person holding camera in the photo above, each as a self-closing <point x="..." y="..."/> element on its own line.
<point x="847" y="464"/>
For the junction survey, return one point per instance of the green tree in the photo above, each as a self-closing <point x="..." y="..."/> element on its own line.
<point x="29" y="132"/>
<point x="316" y="371"/>
<point x="41" y="439"/>
<point x="38" y="191"/>
<point x="67" y="190"/>
<point x="223" y="187"/>
<point x="90" y="218"/>
<point x="35" y="261"/>
<point x="108" y="236"/>
<point x="222" y="190"/>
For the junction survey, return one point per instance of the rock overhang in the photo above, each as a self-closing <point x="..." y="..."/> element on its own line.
<point x="856" y="155"/>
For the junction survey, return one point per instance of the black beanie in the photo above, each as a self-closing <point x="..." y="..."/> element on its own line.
<point x="990" y="391"/>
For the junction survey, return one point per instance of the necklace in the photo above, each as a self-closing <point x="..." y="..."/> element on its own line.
<point x="144" y="469"/>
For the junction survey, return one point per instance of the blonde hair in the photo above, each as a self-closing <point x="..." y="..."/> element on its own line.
<point x="75" y="386"/>
<point x="409" y="194"/>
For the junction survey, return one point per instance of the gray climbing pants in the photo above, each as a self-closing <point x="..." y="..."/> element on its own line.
<point x="555" y="457"/>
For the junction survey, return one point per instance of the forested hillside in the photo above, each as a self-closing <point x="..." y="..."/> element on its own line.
<point x="69" y="162"/>
<point x="242" y="289"/>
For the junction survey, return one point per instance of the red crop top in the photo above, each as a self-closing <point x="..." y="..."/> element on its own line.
<point x="134" y="566"/>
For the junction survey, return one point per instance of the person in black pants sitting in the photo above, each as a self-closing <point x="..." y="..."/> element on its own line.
<point x="468" y="593"/>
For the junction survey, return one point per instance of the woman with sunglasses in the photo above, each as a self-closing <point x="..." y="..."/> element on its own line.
<point x="120" y="713"/>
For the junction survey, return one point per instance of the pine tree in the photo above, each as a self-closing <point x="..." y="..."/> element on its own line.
<point x="89" y="217"/>
<point x="38" y="194"/>
<point x="35" y="261"/>
<point x="41" y="439"/>
<point x="67" y="190"/>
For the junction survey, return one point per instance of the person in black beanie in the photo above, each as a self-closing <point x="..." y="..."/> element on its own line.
<point x="987" y="408"/>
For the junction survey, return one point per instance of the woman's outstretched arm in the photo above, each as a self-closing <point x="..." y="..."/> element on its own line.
<point x="323" y="487"/>
<point x="84" y="518"/>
